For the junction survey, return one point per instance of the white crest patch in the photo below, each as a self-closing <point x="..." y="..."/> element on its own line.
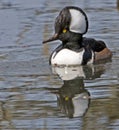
<point x="78" y="21"/>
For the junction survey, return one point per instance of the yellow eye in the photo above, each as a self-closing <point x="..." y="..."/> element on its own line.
<point x="64" y="31"/>
<point x="66" y="98"/>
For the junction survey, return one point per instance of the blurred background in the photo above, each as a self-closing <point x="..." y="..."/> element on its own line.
<point x="32" y="96"/>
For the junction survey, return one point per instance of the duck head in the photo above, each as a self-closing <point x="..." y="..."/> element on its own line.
<point x="70" y="25"/>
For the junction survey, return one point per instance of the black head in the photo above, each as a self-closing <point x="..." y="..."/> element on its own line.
<point x="70" y="25"/>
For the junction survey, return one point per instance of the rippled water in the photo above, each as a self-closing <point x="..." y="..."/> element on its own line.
<point x="35" y="96"/>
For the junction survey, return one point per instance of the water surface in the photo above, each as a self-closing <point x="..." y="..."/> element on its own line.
<point x="34" y="97"/>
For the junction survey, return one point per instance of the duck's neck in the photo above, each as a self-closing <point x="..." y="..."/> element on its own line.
<point x="74" y="43"/>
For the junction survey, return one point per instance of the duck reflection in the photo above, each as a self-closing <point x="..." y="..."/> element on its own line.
<point x="84" y="72"/>
<point x="72" y="97"/>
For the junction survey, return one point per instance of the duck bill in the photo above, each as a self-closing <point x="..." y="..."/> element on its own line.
<point x="53" y="38"/>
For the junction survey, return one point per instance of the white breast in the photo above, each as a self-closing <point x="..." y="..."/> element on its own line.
<point x="67" y="57"/>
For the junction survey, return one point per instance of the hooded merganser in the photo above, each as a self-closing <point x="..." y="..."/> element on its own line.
<point x="70" y="25"/>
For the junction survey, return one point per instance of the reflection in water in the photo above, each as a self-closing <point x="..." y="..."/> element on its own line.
<point x="72" y="98"/>
<point x="86" y="72"/>
<point x="118" y="4"/>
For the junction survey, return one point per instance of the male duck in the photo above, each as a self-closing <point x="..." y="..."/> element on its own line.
<point x="70" y="25"/>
